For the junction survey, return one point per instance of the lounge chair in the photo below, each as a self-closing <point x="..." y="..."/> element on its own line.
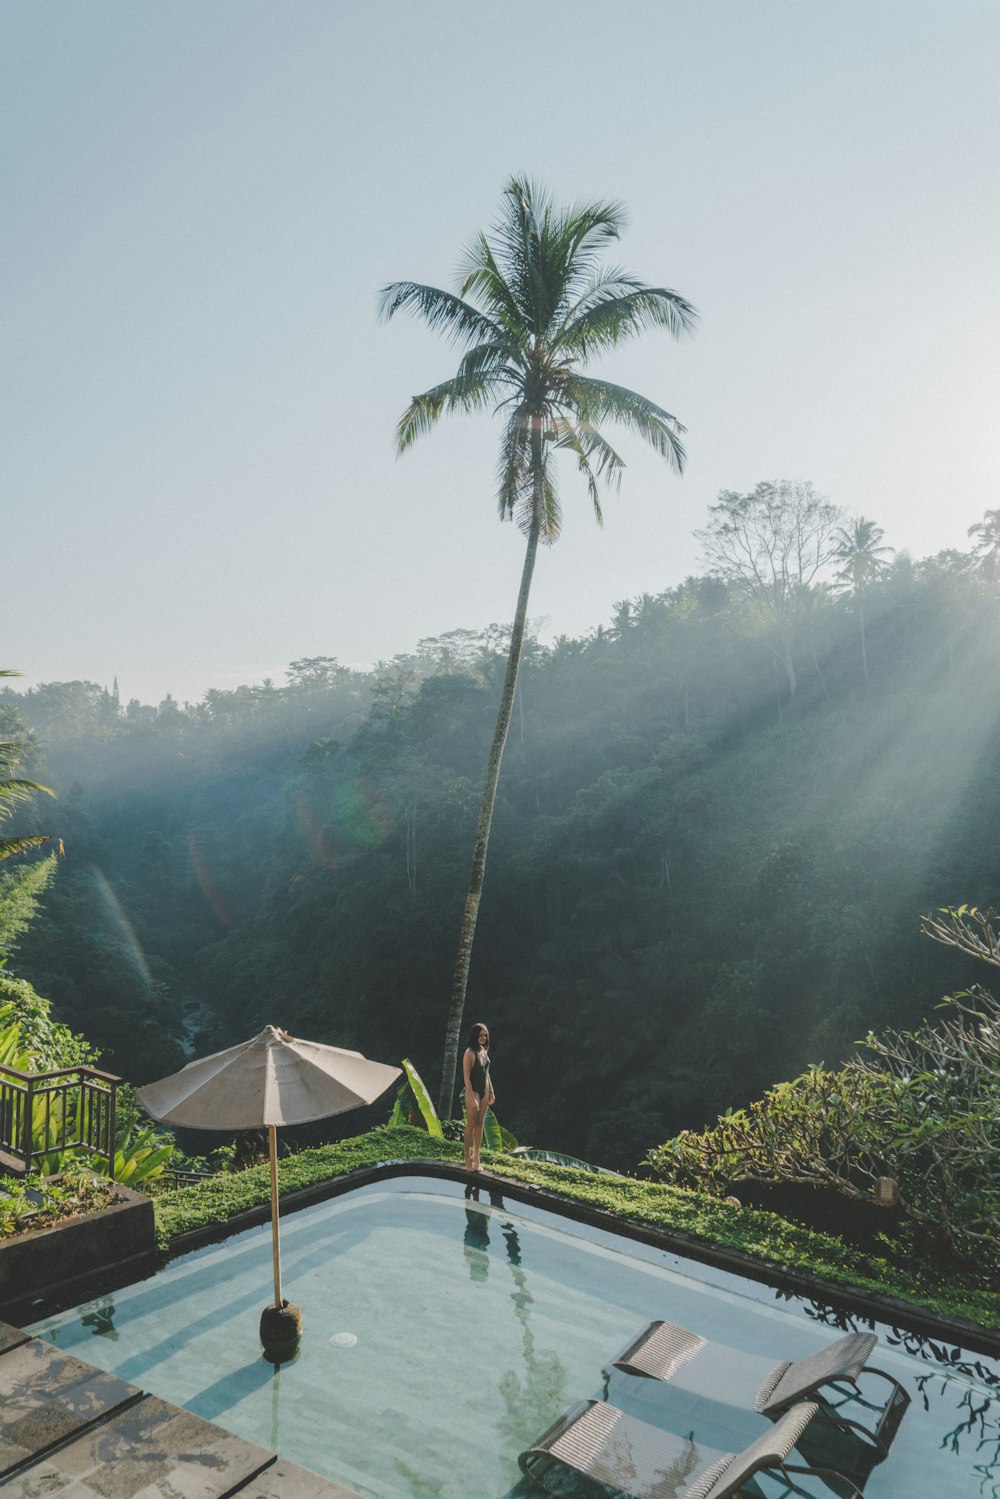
<point x="830" y="1377"/>
<point x="631" y="1457"/>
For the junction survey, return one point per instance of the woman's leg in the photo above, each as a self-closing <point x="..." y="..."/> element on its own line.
<point x="468" y="1136"/>
<point x="477" y="1133"/>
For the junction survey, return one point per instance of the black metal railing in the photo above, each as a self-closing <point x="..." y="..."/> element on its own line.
<point x="71" y="1108"/>
<point x="179" y="1178"/>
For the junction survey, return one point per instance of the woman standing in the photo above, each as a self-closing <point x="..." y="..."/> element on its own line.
<point x="478" y="1091"/>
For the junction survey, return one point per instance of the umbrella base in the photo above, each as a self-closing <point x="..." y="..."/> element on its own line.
<point x="280" y="1330"/>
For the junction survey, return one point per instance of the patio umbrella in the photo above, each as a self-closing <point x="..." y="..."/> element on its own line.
<point x="273" y="1079"/>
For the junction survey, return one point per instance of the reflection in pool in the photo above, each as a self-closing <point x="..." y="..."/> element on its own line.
<point x="441" y="1336"/>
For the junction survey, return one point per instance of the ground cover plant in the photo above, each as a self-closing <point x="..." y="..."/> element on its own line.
<point x="706" y="1218"/>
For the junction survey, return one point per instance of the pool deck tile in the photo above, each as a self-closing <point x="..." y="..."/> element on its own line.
<point x="150" y="1449"/>
<point x="47" y="1396"/>
<point x="67" y="1428"/>
<point x="11" y="1337"/>
<point x="286" y="1480"/>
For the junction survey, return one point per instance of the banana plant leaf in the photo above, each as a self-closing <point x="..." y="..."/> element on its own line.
<point x="142" y="1157"/>
<point x="491" y="1132"/>
<point x="417" y="1087"/>
<point x="11" y="1054"/>
<point x="556" y="1158"/>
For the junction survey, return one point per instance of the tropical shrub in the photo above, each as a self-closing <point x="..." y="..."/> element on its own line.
<point x="142" y="1156"/>
<point x="913" y="1121"/>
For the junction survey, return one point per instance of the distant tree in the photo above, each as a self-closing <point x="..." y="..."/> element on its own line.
<point x="544" y="306"/>
<point x="987" y="548"/>
<point x="862" y="563"/>
<point x="772" y="544"/>
<point x="622" y="619"/>
<point x="14" y="790"/>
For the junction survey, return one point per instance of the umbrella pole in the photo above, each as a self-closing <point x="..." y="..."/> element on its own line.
<point x="272" y="1135"/>
<point x="280" y="1324"/>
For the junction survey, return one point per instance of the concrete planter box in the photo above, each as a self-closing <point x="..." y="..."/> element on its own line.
<point x="46" y="1260"/>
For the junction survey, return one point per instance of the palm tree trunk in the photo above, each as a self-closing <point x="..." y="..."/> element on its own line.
<point x="460" y="976"/>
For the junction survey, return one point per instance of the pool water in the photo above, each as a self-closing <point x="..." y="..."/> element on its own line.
<point x="441" y="1336"/>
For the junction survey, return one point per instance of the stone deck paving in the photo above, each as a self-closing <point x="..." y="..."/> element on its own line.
<point x="71" y="1430"/>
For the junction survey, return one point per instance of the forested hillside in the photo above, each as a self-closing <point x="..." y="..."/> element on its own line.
<point x="716" y="828"/>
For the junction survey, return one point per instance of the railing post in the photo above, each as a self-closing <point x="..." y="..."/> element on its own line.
<point x="112" y="1127"/>
<point x="29" y="1121"/>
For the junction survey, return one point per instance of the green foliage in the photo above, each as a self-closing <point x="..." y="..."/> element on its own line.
<point x="141" y="1157"/>
<point x="12" y="1053"/>
<point x="15" y="790"/>
<point x="921" y="1110"/>
<point x="39" y="1204"/>
<point x="31" y="1041"/>
<point x="698" y="885"/>
<point x="492" y="1138"/>
<point x="556" y="1158"/>
<point x="414" y="1097"/>
<point x="216" y="1200"/>
<point x="46" y="1042"/>
<point x="20" y="891"/>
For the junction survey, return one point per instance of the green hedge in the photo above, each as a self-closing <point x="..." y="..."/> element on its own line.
<point x="221" y="1197"/>
<point x="764" y="1235"/>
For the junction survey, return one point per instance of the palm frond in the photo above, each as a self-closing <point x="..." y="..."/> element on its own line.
<point x="14" y="790"/>
<point x="441" y="310"/>
<point x="482" y="275"/>
<point x="599" y="400"/>
<point x="614" y="310"/>
<point x="552" y="253"/>
<point x="597" y="461"/>
<point x="470" y="392"/>
<point x="514" y="467"/>
<point x="580" y="238"/>
<point x="520" y="233"/>
<point x="551" y="509"/>
<point x="11" y="846"/>
<point x="550" y="518"/>
<point x="501" y="362"/>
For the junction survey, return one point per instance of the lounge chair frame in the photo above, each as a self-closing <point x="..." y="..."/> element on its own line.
<point x="631" y="1457"/>
<point x="662" y="1348"/>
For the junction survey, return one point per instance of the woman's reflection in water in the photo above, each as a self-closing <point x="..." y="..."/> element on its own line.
<point x="476" y="1238"/>
<point x="535" y="1394"/>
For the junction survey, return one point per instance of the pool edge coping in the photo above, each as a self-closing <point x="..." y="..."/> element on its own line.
<point x="902" y="1316"/>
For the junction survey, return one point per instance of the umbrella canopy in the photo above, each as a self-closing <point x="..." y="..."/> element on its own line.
<point x="273" y="1079"/>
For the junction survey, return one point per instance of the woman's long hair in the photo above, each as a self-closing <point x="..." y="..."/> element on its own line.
<point x="475" y="1032"/>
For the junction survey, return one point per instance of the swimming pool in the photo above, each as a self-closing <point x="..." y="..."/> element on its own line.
<point x="442" y="1336"/>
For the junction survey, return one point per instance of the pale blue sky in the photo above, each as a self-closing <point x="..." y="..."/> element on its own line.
<point x="203" y="197"/>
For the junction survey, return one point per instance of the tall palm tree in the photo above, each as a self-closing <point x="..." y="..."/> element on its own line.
<point x="863" y="561"/>
<point x="534" y="304"/>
